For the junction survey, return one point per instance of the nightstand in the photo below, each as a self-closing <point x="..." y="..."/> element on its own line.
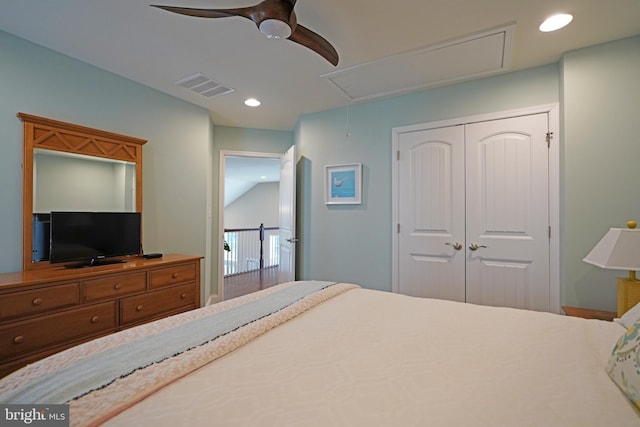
<point x="587" y="313"/>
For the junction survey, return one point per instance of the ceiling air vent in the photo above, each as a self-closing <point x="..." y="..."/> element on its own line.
<point x="203" y="85"/>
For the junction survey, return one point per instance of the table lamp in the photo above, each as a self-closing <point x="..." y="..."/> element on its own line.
<point x="619" y="249"/>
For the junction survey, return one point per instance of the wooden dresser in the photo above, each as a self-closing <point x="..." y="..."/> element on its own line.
<point x="43" y="312"/>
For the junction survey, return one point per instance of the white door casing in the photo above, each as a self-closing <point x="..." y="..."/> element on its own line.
<point x="287" y="216"/>
<point x="516" y="210"/>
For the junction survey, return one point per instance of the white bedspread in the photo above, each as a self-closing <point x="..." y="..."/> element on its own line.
<point x="370" y="358"/>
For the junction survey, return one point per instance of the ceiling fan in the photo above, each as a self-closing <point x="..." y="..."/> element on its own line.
<point x="274" y="18"/>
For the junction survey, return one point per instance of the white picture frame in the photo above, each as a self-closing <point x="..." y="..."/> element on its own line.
<point x="343" y="184"/>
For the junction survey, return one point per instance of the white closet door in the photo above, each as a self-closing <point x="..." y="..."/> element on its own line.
<point x="507" y="213"/>
<point x="431" y="213"/>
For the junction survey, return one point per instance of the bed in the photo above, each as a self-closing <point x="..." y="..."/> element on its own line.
<point x="315" y="353"/>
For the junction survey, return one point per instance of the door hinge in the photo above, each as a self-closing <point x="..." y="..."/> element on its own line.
<point x="398" y="155"/>
<point x="549" y="232"/>
<point x="398" y="228"/>
<point x="549" y="137"/>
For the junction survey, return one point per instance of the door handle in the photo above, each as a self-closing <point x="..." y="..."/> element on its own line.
<point x="293" y="240"/>
<point x="474" y="246"/>
<point x="457" y="246"/>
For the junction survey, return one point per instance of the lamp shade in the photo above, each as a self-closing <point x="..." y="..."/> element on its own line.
<point x="619" y="249"/>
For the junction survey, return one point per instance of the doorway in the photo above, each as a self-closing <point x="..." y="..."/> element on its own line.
<point x="254" y="187"/>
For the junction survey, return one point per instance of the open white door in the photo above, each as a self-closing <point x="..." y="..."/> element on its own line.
<point x="288" y="216"/>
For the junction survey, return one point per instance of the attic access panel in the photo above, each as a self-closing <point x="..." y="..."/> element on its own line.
<point x="470" y="57"/>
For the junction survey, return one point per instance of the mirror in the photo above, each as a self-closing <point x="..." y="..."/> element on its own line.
<point x="75" y="182"/>
<point x="73" y="168"/>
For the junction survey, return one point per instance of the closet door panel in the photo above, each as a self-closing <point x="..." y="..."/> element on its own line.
<point x="508" y="213"/>
<point x="431" y="214"/>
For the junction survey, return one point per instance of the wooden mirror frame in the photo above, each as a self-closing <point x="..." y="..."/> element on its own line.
<point x="43" y="133"/>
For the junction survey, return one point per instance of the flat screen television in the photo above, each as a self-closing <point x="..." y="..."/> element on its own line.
<point x="90" y="238"/>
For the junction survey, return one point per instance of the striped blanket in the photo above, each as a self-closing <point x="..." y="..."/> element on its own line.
<point x="103" y="377"/>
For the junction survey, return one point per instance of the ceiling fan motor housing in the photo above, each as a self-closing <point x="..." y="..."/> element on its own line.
<point x="275" y="29"/>
<point x="275" y="18"/>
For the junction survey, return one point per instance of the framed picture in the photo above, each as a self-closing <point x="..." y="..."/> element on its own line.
<point x="343" y="184"/>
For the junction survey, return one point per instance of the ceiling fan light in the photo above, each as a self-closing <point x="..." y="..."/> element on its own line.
<point x="275" y="29"/>
<point x="556" y="22"/>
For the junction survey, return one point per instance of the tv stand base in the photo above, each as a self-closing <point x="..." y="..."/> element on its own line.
<point x="94" y="263"/>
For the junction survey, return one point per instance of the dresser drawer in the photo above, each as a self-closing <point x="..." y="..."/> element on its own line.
<point x="28" y="336"/>
<point x="114" y="286"/>
<point x="153" y="304"/>
<point x="172" y="275"/>
<point x="34" y="301"/>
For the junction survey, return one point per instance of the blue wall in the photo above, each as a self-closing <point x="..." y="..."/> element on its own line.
<point x="597" y="88"/>
<point x="601" y="100"/>
<point x="353" y="242"/>
<point x="599" y="93"/>
<point x="38" y="81"/>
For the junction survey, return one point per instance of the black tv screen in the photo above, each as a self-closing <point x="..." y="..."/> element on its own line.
<point x="93" y="236"/>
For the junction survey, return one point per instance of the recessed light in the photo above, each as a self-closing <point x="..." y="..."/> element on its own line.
<point x="263" y="177"/>
<point x="252" y="102"/>
<point x="556" y="22"/>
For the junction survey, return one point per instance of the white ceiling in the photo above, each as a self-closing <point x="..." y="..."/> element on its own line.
<point x="158" y="48"/>
<point x="242" y="173"/>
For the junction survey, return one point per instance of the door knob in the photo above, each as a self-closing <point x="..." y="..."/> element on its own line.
<point x="457" y="245"/>
<point x="474" y="246"/>
<point x="293" y="240"/>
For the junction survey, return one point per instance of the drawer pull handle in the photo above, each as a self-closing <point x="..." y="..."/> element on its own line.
<point x="18" y="339"/>
<point x="36" y="301"/>
<point x="95" y="319"/>
<point x="174" y="275"/>
<point x="183" y="295"/>
<point x="139" y="308"/>
<point x="117" y="286"/>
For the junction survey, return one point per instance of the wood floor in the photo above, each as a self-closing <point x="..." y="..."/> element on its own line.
<point x="245" y="283"/>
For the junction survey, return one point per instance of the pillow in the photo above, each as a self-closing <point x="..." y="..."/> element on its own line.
<point x="624" y="363"/>
<point x="630" y="317"/>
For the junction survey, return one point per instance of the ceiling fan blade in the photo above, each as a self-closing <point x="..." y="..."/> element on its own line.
<point x="315" y="42"/>
<point x="267" y="10"/>
<point x="209" y="13"/>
